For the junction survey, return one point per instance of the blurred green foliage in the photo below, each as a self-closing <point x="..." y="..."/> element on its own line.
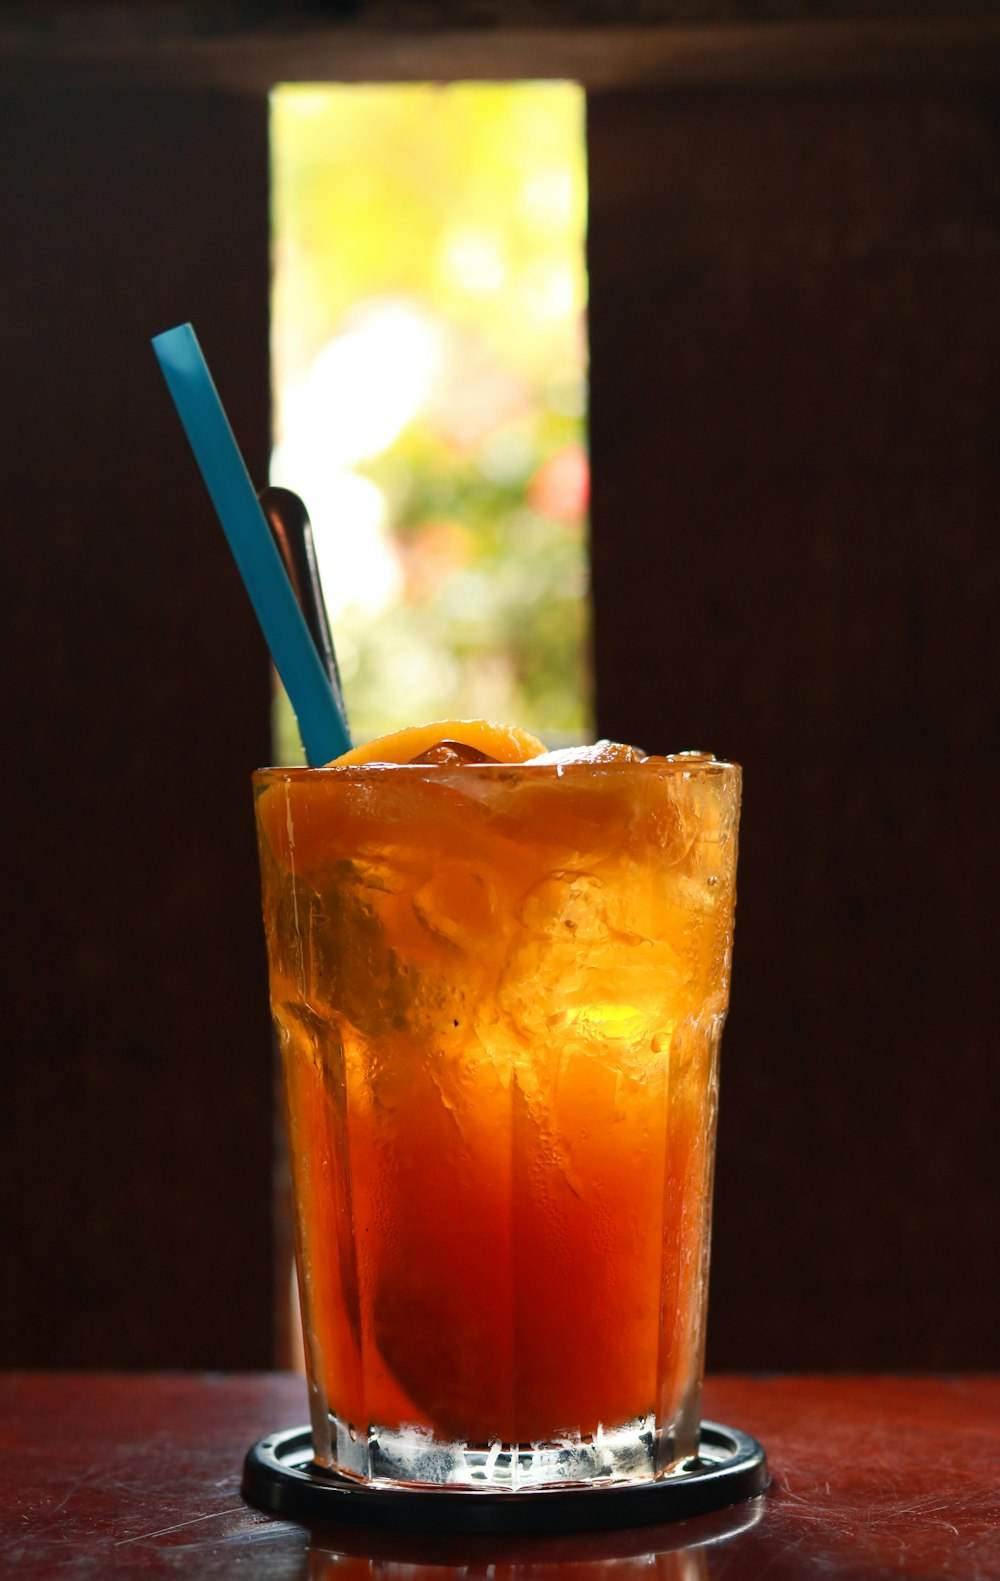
<point x="468" y="203"/>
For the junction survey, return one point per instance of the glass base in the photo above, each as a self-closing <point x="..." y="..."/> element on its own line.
<point x="414" y="1457"/>
<point x="281" y="1475"/>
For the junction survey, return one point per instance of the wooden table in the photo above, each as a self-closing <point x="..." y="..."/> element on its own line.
<point x="139" y="1475"/>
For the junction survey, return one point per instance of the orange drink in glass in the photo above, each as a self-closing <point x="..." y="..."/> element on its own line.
<point x="499" y="990"/>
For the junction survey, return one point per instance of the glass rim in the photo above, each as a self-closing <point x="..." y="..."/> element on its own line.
<point x="677" y="764"/>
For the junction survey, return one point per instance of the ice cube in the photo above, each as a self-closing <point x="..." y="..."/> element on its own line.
<point x="457" y="904"/>
<point x="450" y="753"/>
<point x="600" y="752"/>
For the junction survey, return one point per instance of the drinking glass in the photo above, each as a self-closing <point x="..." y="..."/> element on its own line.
<point x="499" y="991"/>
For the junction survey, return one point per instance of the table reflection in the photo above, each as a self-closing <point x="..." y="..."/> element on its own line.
<point x="683" y="1551"/>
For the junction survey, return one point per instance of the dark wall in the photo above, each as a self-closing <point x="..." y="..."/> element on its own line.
<point x="795" y="326"/>
<point x="795" y="341"/>
<point x="136" y="1113"/>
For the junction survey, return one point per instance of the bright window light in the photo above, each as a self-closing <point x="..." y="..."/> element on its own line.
<point x="429" y="368"/>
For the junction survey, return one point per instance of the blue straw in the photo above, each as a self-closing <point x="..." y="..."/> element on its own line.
<point x="324" y="730"/>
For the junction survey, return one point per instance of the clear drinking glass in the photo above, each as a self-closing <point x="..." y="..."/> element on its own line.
<point x="499" y="992"/>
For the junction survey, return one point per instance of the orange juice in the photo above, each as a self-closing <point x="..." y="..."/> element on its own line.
<point x="499" y="990"/>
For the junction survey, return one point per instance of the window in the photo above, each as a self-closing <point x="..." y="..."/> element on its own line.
<point x="429" y="370"/>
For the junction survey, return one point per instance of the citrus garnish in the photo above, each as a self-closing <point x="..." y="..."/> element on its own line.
<point x="501" y="743"/>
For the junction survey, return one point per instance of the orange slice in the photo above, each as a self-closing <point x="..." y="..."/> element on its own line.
<point x="330" y="821"/>
<point x="503" y="743"/>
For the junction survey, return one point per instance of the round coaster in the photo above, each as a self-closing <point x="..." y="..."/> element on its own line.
<point x="279" y="1476"/>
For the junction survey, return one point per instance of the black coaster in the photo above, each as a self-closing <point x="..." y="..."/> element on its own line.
<point x="279" y="1476"/>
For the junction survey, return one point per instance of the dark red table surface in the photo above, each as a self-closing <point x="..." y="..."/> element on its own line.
<point x="139" y="1475"/>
